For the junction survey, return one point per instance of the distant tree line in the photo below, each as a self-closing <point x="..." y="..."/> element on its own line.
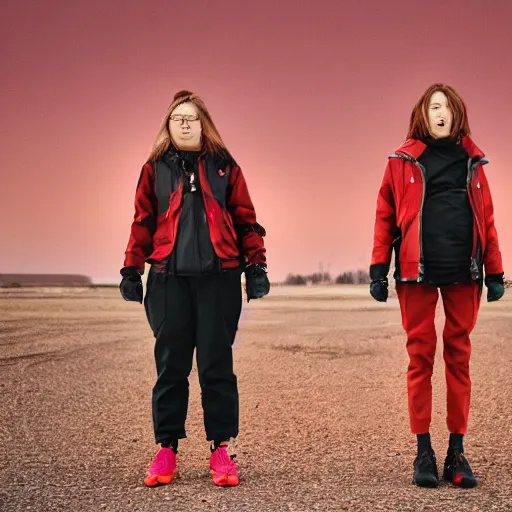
<point x="351" y="277"/>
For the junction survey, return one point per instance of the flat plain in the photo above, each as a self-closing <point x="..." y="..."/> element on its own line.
<point x="323" y="407"/>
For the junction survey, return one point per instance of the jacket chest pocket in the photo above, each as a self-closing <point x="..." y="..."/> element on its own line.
<point x="477" y="196"/>
<point x="412" y="191"/>
<point x="219" y="181"/>
<point x="167" y="181"/>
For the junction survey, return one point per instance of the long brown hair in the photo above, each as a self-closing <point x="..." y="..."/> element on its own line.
<point x="211" y="141"/>
<point x="418" y="126"/>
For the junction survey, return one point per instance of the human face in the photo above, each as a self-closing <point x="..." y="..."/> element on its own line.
<point x="185" y="127"/>
<point x="440" y="117"/>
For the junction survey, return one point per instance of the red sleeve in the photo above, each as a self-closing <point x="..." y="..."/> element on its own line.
<point x="492" y="258"/>
<point x="385" y="222"/>
<point x="242" y="210"/>
<point x="140" y="243"/>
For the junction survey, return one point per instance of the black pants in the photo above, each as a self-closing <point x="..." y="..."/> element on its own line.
<point x="186" y="313"/>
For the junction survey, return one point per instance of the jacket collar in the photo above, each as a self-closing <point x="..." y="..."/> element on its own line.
<point x="414" y="148"/>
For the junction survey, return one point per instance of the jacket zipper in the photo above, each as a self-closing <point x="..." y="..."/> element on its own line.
<point x="200" y="163"/>
<point x="421" y="266"/>
<point x="475" y="271"/>
<point x="172" y="259"/>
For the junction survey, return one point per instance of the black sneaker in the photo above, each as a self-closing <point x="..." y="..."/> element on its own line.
<point x="457" y="470"/>
<point x="425" y="470"/>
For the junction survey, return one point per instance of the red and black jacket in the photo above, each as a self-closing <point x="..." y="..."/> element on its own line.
<point x="234" y="232"/>
<point x="398" y="218"/>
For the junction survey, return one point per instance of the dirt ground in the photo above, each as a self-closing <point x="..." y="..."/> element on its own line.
<point x="324" y="422"/>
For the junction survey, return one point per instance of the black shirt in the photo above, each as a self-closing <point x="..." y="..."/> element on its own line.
<point x="193" y="253"/>
<point x="447" y="220"/>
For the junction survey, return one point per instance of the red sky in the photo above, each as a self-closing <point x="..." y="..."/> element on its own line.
<point x="310" y="98"/>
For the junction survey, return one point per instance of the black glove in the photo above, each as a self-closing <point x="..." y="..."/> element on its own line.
<point x="379" y="289"/>
<point x="131" y="284"/>
<point x="256" y="281"/>
<point x="495" y="287"/>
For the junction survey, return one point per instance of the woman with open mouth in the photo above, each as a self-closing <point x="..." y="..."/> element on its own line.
<point x="435" y="210"/>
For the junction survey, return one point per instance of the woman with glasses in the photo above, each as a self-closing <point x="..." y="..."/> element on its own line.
<point x="435" y="209"/>
<point x="195" y="225"/>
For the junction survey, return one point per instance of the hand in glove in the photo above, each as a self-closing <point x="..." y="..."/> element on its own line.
<point x="131" y="284"/>
<point x="379" y="289"/>
<point x="256" y="281"/>
<point x="495" y="287"/>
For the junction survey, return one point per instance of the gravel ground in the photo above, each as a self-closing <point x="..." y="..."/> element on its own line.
<point x="324" y="423"/>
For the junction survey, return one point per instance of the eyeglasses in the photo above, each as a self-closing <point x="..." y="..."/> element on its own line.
<point x="180" y="118"/>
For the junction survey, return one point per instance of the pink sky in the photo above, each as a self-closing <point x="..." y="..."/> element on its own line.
<point x="310" y="98"/>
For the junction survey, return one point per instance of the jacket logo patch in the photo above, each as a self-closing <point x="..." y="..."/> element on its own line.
<point x="412" y="179"/>
<point x="221" y="172"/>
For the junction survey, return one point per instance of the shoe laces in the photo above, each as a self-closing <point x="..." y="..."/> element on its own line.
<point x="460" y="462"/>
<point x="163" y="460"/>
<point x="221" y="461"/>
<point x="426" y="461"/>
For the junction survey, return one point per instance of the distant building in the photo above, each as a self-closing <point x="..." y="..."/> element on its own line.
<point x="36" y="280"/>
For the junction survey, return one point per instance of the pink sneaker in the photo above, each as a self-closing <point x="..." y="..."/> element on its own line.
<point x="163" y="468"/>
<point x="223" y="467"/>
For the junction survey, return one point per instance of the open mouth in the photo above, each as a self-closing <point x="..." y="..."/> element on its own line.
<point x="440" y="123"/>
